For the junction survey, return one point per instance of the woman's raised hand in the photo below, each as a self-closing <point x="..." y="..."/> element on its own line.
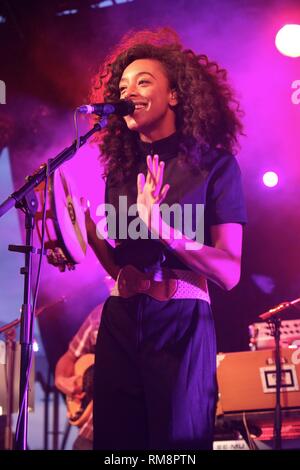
<point x="151" y="191"/>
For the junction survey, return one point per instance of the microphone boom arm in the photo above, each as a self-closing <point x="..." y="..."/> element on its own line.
<point x="15" y="199"/>
<point x="279" y="308"/>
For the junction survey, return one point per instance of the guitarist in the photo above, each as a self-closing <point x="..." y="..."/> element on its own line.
<point x="70" y="384"/>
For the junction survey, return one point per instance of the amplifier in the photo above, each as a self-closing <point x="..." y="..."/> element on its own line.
<point x="261" y="334"/>
<point x="247" y="380"/>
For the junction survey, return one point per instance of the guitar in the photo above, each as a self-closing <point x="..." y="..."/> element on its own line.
<point x="80" y="408"/>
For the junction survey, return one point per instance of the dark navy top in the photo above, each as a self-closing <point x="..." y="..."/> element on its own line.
<point x="218" y="186"/>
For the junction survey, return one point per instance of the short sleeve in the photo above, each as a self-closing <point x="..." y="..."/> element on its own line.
<point x="225" y="201"/>
<point x="85" y="339"/>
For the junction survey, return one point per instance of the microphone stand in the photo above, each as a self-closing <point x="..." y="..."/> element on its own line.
<point x="25" y="200"/>
<point x="276" y="323"/>
<point x="271" y="317"/>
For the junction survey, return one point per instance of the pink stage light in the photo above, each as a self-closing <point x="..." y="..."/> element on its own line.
<point x="270" y="179"/>
<point x="287" y="40"/>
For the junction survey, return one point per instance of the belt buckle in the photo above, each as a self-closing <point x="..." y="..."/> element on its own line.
<point x="131" y="282"/>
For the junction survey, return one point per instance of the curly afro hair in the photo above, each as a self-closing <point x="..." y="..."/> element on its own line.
<point x="207" y="114"/>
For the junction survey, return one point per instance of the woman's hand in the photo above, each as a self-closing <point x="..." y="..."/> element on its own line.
<point x="151" y="191"/>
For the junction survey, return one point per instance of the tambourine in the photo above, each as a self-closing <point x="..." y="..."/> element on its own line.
<point x="65" y="230"/>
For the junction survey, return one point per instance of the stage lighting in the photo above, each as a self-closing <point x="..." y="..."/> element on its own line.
<point x="287" y="40"/>
<point x="270" y="179"/>
<point x="109" y="3"/>
<point x="72" y="11"/>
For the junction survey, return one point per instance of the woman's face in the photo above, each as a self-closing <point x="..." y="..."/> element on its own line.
<point x="144" y="81"/>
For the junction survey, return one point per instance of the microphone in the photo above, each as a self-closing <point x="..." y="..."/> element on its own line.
<point x="121" y="108"/>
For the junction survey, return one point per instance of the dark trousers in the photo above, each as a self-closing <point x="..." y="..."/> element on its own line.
<point x="155" y="383"/>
